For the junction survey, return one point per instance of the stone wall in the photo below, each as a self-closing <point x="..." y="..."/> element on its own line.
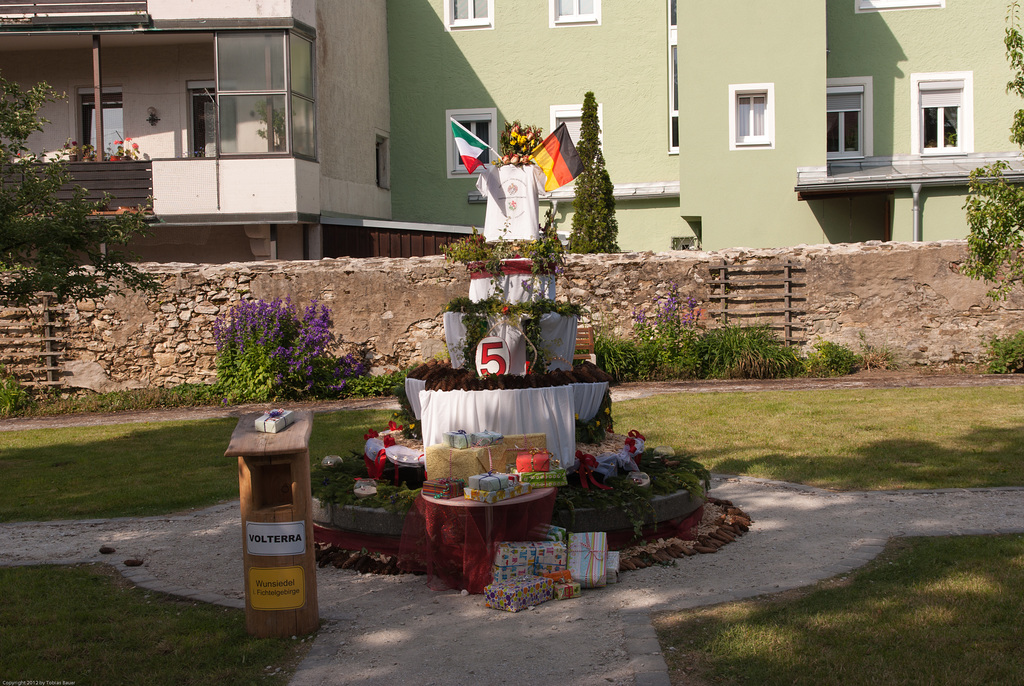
<point x="909" y="297"/>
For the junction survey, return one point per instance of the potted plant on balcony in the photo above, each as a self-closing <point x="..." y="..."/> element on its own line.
<point x="71" y="150"/>
<point x="126" y="150"/>
<point x="87" y="153"/>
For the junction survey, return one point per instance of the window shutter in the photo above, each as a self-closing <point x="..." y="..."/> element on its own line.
<point x="843" y="102"/>
<point x="941" y="93"/>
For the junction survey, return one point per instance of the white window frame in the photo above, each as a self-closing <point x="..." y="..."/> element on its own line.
<point x="473" y="23"/>
<point x="673" y="81"/>
<point x="562" y="112"/>
<point x="865" y="85"/>
<point x="965" y="119"/>
<point x="488" y="114"/>
<point x="883" y="5"/>
<point x="577" y="19"/>
<point x="764" y="142"/>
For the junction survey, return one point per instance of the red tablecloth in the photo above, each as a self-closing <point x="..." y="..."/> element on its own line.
<point x="454" y="540"/>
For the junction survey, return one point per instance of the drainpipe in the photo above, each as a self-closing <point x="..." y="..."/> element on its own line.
<point x="915" y="188"/>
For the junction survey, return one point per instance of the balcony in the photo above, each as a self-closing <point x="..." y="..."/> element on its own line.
<point x="50" y="15"/>
<point x="23" y="14"/>
<point x="129" y="184"/>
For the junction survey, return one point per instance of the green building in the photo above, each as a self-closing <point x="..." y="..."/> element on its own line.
<point x="724" y="123"/>
<point x="794" y="122"/>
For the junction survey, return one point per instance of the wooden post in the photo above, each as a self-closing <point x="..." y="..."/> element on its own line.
<point x="277" y="527"/>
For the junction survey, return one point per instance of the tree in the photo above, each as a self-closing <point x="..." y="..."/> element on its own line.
<point x="594" y="228"/>
<point x="995" y="208"/>
<point x="47" y="243"/>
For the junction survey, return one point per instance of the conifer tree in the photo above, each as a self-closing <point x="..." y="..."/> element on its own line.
<point x="594" y="228"/>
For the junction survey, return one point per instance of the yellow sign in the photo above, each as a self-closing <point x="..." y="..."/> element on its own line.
<point x="277" y="588"/>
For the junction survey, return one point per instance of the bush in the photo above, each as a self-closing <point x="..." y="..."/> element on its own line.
<point x="877" y="356"/>
<point x="668" y="339"/>
<point x="619" y="357"/>
<point x="1006" y="355"/>
<point x="14" y="398"/>
<point x="266" y="350"/>
<point x="831" y="359"/>
<point x="745" y="352"/>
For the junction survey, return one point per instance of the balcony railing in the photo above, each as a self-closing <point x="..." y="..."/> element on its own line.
<point x="62" y="11"/>
<point x="129" y="184"/>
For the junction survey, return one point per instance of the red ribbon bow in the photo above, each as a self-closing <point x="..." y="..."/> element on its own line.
<point x="389" y="441"/>
<point x="636" y="434"/>
<point x="370" y="434"/>
<point x="392" y="426"/>
<point x="587" y="464"/>
<point x="631" y="444"/>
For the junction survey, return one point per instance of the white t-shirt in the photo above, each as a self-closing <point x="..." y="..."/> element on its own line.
<point x="512" y="206"/>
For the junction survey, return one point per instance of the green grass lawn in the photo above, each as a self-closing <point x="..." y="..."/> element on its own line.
<point x="927" y="611"/>
<point x="933" y="611"/>
<point x="876" y="439"/>
<point x="87" y="625"/>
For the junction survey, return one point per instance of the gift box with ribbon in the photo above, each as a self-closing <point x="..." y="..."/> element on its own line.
<point x="587" y="558"/>
<point x="455" y="439"/>
<point x="537" y="557"/>
<point x="491" y="481"/>
<point x="443" y="462"/>
<point x="482" y="438"/>
<point x="567" y="590"/>
<point x="563" y="576"/>
<point x="533" y="460"/>
<point x="492" y="497"/>
<point x="274" y="421"/>
<point x="513" y="444"/>
<point x="556" y="477"/>
<point x="518" y="594"/>
<point x="444" y="488"/>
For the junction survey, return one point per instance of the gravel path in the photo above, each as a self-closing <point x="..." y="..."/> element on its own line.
<point x="394" y="630"/>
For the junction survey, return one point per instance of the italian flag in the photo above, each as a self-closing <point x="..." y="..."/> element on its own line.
<point x="470" y="147"/>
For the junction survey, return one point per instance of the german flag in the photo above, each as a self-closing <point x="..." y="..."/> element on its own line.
<point x="557" y="158"/>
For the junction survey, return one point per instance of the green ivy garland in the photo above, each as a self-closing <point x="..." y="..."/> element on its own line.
<point x="475" y="319"/>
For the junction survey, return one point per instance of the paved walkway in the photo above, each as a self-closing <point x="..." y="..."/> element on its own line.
<point x="376" y="627"/>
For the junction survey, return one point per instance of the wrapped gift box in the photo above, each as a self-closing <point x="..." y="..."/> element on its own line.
<point x="539" y="557"/>
<point x="444" y="462"/>
<point x="455" y="439"/>
<point x="482" y="438"/>
<point x="611" y="567"/>
<point x="562" y="576"/>
<point x="274" y="421"/>
<point x="533" y="461"/>
<point x="587" y="553"/>
<point x="444" y="488"/>
<point x="550" y="532"/>
<point x="556" y="477"/>
<point x="492" y="481"/>
<point x="513" y="444"/>
<point x="492" y="497"/>
<point x="518" y="594"/>
<point x="566" y="590"/>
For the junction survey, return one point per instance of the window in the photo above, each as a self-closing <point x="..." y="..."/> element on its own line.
<point x="202" y="96"/>
<point x="942" y="122"/>
<point x="844" y="119"/>
<point x="113" y="117"/>
<point x="575" y="12"/>
<point x="673" y="80"/>
<point x="383" y="172"/>
<point x="468" y="14"/>
<point x="572" y="117"/>
<point x="878" y="5"/>
<point x="849" y="131"/>
<point x="751" y="116"/>
<point x="482" y="123"/>
<point x="266" y="94"/>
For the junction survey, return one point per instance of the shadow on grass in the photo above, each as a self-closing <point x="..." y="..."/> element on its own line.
<point x="140" y="469"/>
<point x="984" y="457"/>
<point x="942" y="610"/>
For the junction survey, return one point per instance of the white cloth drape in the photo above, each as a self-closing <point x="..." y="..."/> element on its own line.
<point x="586" y="399"/>
<point x="514" y="288"/>
<point x="525" y="411"/>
